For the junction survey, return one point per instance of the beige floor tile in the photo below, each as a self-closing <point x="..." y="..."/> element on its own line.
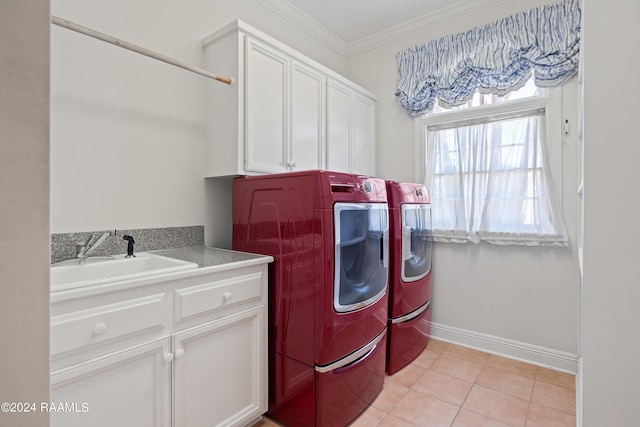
<point x="513" y="366"/>
<point x="541" y="416"/>
<point x="369" y="418"/>
<point x="426" y="358"/>
<point x="444" y="387"/>
<point x="408" y="375"/>
<point x="471" y="419"/>
<point x="390" y="395"/>
<point x="499" y="406"/>
<point x="456" y="367"/>
<point x="436" y="345"/>
<point x="466" y="353"/>
<point x="555" y="397"/>
<point x="391" y="421"/>
<point x="506" y="382"/>
<point x="556" y="377"/>
<point x="422" y="410"/>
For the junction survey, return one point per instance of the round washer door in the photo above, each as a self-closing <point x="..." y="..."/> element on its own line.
<point x="361" y="254"/>
<point x="416" y="241"/>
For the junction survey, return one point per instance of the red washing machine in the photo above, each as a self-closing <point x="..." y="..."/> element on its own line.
<point x="410" y="273"/>
<point x="328" y="234"/>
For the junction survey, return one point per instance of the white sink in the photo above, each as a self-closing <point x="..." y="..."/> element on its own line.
<point x="93" y="271"/>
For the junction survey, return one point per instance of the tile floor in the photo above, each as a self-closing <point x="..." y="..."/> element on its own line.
<point x="454" y="386"/>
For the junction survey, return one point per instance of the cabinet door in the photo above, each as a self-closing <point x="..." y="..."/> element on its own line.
<point x="363" y="135"/>
<point x="338" y="132"/>
<point x="307" y="118"/>
<point x="266" y="106"/>
<point x="220" y="371"/>
<point x="130" y="388"/>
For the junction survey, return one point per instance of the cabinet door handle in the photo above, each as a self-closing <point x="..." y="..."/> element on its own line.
<point x="178" y="354"/>
<point x="227" y="296"/>
<point x="99" y="329"/>
<point x="168" y="357"/>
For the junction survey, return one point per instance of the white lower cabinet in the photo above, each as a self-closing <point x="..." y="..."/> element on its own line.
<point x="128" y="388"/>
<point x="200" y="361"/>
<point x="218" y="372"/>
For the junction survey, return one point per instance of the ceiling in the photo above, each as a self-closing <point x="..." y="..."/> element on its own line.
<point x="353" y="20"/>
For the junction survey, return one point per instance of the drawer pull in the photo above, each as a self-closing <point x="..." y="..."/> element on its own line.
<point x="168" y="357"/>
<point x="99" y="329"/>
<point x="78" y="329"/>
<point x="219" y="294"/>
<point x="179" y="353"/>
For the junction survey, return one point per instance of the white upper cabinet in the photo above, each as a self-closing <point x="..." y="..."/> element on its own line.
<point x="363" y="136"/>
<point x="267" y="107"/>
<point x="276" y="115"/>
<point x="338" y="129"/>
<point x="351" y="129"/>
<point x="307" y="118"/>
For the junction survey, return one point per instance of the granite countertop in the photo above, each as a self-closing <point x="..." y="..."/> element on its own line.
<point x="210" y="257"/>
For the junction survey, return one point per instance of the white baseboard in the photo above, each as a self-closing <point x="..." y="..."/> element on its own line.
<point x="529" y="353"/>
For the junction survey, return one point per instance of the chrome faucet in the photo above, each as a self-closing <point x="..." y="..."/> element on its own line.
<point x="84" y="249"/>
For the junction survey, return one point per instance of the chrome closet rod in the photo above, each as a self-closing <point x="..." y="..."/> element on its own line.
<point x="135" y="48"/>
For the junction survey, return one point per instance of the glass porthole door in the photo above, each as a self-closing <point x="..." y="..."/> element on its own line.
<point x="416" y="241"/>
<point x="361" y="254"/>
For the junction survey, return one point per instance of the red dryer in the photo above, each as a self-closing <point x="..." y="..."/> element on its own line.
<point x="410" y="273"/>
<point x="328" y="234"/>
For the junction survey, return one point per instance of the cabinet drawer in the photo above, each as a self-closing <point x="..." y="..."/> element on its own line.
<point x="209" y="297"/>
<point x="83" y="328"/>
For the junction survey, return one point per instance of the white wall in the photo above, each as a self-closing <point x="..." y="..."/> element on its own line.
<point x="128" y="132"/>
<point x="518" y="295"/>
<point x="24" y="208"/>
<point x="611" y="288"/>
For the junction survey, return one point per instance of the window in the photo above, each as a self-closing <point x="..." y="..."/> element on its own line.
<point x="486" y="167"/>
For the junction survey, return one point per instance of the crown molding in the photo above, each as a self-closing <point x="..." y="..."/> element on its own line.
<point x="318" y="31"/>
<point x="308" y="25"/>
<point x="443" y="16"/>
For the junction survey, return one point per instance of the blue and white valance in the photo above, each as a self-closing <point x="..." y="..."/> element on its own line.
<point x="496" y="58"/>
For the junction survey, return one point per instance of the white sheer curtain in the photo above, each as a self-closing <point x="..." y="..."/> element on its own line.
<point x="488" y="181"/>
